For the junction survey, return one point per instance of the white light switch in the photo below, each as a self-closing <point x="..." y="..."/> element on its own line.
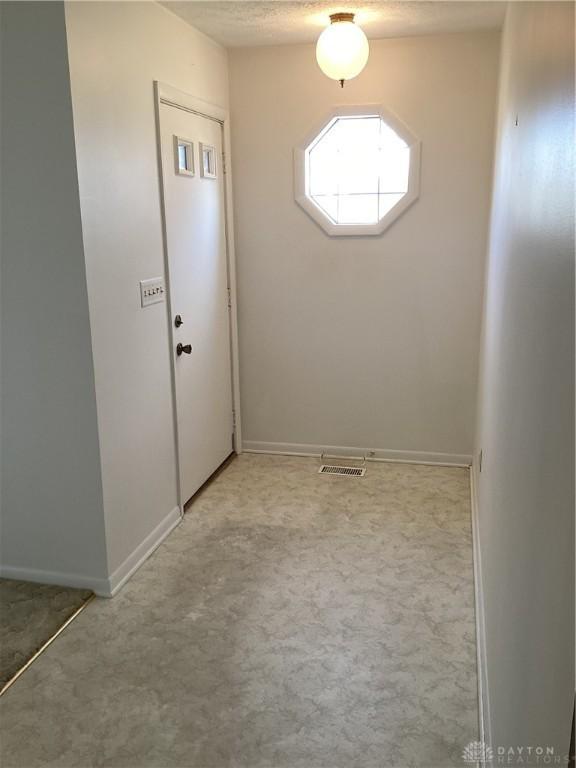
<point x="152" y="291"/>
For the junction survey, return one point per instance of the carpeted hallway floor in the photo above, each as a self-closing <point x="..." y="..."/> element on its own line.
<point x="30" y="614"/>
<point x="291" y="621"/>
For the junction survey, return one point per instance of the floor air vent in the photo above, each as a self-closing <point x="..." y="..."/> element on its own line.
<point x="330" y="469"/>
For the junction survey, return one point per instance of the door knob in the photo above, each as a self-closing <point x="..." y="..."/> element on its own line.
<point x="178" y="321"/>
<point x="180" y="348"/>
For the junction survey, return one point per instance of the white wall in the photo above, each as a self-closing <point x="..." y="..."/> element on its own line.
<point x="368" y="342"/>
<point x="52" y="513"/>
<point x="116" y="52"/>
<point x="526" y="414"/>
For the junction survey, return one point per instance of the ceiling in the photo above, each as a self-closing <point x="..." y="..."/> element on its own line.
<point x="277" y="22"/>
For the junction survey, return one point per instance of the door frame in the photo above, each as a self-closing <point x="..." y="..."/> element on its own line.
<point x="167" y="94"/>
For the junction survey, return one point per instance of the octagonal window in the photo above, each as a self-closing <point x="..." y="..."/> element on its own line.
<point x="358" y="172"/>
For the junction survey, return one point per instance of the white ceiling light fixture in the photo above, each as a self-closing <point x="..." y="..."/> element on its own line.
<point x="342" y="49"/>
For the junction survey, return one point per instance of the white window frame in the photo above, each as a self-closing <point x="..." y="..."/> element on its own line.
<point x="209" y="151"/>
<point x="301" y="182"/>
<point x="188" y="144"/>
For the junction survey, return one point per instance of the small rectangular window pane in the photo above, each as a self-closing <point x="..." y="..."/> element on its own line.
<point x="357" y="173"/>
<point x="182" y="157"/>
<point x="329" y="204"/>
<point x="386" y="203"/>
<point x="357" y="209"/>
<point x="323" y="171"/>
<point x="208" y="161"/>
<point x="394" y="169"/>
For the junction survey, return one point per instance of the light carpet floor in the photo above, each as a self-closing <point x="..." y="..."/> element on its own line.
<point x="30" y="614"/>
<point x="292" y="620"/>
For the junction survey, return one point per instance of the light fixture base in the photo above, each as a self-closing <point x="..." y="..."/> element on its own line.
<point x="336" y="17"/>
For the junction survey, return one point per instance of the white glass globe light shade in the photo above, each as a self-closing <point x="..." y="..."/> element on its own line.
<point x="342" y="50"/>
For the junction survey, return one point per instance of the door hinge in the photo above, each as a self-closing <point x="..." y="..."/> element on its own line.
<point x="224" y="163"/>
<point x="234" y="421"/>
<point x="229" y="291"/>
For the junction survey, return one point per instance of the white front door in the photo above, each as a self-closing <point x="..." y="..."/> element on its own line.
<point x="198" y="279"/>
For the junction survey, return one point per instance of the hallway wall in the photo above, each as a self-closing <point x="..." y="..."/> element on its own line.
<point x="367" y="342"/>
<point x="526" y="410"/>
<point x="116" y="52"/>
<point x="52" y="508"/>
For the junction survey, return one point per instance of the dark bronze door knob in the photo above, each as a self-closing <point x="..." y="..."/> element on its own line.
<point x="180" y="348"/>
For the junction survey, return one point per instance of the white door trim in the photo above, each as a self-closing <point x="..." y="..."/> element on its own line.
<point x="166" y="94"/>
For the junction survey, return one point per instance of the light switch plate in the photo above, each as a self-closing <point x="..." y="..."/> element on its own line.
<point x="152" y="291"/>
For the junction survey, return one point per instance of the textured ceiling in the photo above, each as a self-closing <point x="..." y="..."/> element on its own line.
<point x="277" y="22"/>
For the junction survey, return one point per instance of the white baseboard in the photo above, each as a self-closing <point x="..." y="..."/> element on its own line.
<point x="372" y="454"/>
<point x="101" y="587"/>
<point x="484" y="727"/>
<point x="141" y="553"/>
